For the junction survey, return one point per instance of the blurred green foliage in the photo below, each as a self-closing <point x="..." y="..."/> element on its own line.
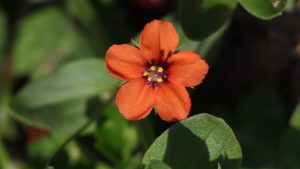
<point x="53" y="78"/>
<point x="41" y="48"/>
<point x="120" y="138"/>
<point x="200" y="19"/>
<point x="262" y="116"/>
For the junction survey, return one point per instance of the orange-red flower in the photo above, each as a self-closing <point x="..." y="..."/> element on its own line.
<point x="156" y="75"/>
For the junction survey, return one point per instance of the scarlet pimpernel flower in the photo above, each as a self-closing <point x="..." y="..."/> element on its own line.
<point x="155" y="75"/>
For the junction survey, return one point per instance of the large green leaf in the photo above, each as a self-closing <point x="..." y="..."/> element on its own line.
<point x="201" y="141"/>
<point x="77" y="80"/>
<point x="264" y="9"/>
<point x="201" y="18"/>
<point x="45" y="40"/>
<point x="59" y="101"/>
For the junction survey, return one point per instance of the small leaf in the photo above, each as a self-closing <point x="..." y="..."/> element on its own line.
<point x="201" y="18"/>
<point x="201" y="141"/>
<point x="46" y="40"/>
<point x="43" y="147"/>
<point x="116" y="137"/>
<point x="155" y="164"/>
<point x="295" y="119"/>
<point x="264" y="9"/>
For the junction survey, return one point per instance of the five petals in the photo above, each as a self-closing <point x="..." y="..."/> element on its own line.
<point x="136" y="98"/>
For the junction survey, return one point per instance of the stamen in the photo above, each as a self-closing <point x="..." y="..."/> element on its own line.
<point x="146" y="73"/>
<point x="150" y="78"/>
<point x="159" y="79"/>
<point x="160" y="69"/>
<point x="153" y="68"/>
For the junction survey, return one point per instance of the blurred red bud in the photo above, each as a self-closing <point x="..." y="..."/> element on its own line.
<point x="34" y="133"/>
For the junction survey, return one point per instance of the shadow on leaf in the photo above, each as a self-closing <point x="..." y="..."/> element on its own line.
<point x="186" y="150"/>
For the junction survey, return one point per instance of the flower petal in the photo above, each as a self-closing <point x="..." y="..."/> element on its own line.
<point x="135" y="99"/>
<point x="125" y="62"/>
<point x="172" y="102"/>
<point x="158" y="40"/>
<point x="187" y="69"/>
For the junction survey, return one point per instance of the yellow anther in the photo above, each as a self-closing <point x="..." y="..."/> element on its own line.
<point x="160" y="69"/>
<point x="145" y="73"/>
<point x="153" y="68"/>
<point x="150" y="78"/>
<point x="159" y="79"/>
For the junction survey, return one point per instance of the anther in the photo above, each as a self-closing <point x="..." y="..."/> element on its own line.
<point x="159" y="79"/>
<point x="150" y="78"/>
<point x="160" y="70"/>
<point x="146" y="73"/>
<point x="153" y="68"/>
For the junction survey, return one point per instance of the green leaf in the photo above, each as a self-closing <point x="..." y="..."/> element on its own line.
<point x="201" y="141"/>
<point x="46" y="40"/>
<point x="40" y="149"/>
<point x="201" y="18"/>
<point x="116" y="137"/>
<point x="295" y="119"/>
<point x="80" y="79"/>
<point x="264" y="9"/>
<point x="59" y="101"/>
<point x="65" y="118"/>
<point x="155" y="164"/>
